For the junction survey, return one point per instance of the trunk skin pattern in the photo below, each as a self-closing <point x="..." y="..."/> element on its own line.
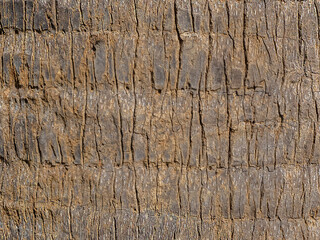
<point x="159" y="119"/>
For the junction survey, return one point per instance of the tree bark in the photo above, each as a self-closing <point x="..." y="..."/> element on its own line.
<point x="159" y="119"/>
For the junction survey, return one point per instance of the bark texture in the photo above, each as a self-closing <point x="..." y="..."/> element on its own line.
<point x="159" y="119"/>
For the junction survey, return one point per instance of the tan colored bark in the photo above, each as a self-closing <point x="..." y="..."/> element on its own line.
<point x="149" y="119"/>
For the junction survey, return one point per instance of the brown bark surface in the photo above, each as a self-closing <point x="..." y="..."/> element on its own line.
<point x="159" y="119"/>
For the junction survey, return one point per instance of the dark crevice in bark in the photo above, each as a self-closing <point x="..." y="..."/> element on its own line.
<point x="192" y="16"/>
<point x="134" y="80"/>
<point x="180" y="42"/>
<point x="228" y="24"/>
<point x="244" y="45"/>
<point x="119" y="122"/>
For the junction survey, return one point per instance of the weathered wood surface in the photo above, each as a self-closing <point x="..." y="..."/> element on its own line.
<point x="159" y="119"/>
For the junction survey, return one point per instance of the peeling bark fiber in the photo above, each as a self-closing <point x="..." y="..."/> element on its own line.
<point x="159" y="119"/>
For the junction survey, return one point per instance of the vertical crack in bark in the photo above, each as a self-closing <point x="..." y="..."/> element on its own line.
<point x="100" y="130"/>
<point x="229" y="124"/>
<point x="200" y="204"/>
<point x="81" y="13"/>
<point x="56" y="3"/>
<point x="180" y="41"/>
<point x="209" y="48"/>
<point x="318" y="53"/>
<point x="188" y="194"/>
<point x="192" y="16"/>
<point x="84" y="113"/>
<point x="228" y="24"/>
<point x="119" y="127"/>
<point x="190" y="133"/>
<point x="203" y="155"/>
<point x="179" y="191"/>
<point x="157" y="209"/>
<point x="70" y="215"/>
<point x="1" y="26"/>
<point x="134" y="109"/>
<point x="24" y="17"/>
<point x="283" y="55"/>
<point x="299" y="25"/>
<point x="115" y="235"/>
<point x="244" y="44"/>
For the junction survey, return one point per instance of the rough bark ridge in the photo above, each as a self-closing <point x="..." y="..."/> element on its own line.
<point x="149" y="119"/>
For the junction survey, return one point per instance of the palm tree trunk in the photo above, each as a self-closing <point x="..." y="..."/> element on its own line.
<point x="149" y="119"/>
